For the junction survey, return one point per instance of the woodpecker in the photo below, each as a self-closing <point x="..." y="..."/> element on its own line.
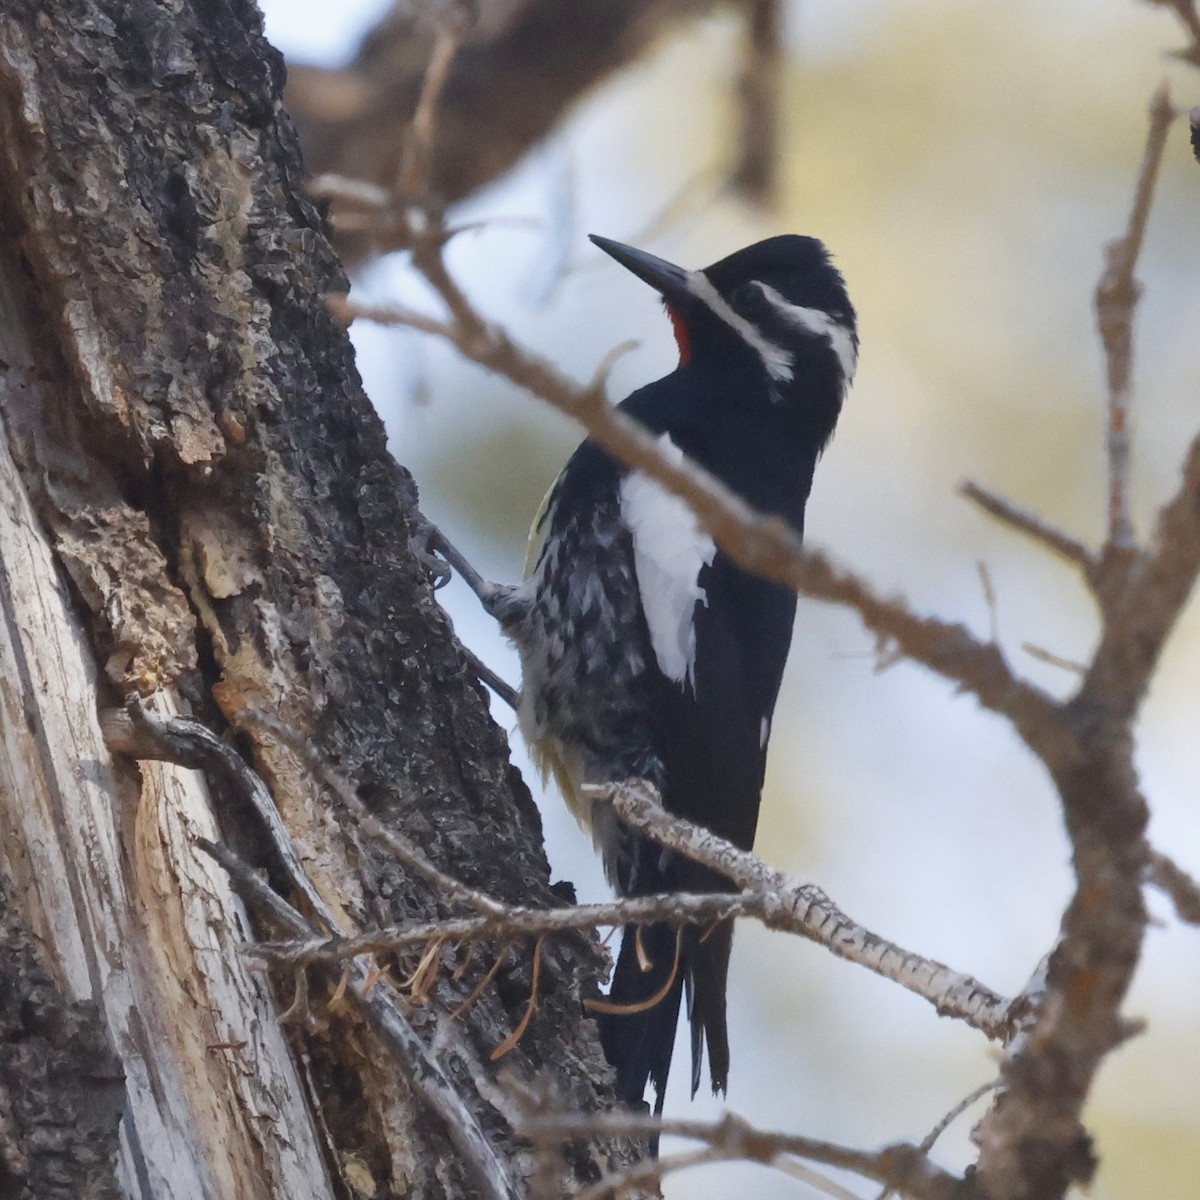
<point x="646" y="652"/>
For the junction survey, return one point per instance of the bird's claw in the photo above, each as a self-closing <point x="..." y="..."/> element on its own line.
<point x="426" y="545"/>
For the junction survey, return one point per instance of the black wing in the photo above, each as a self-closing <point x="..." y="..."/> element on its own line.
<point x="711" y="735"/>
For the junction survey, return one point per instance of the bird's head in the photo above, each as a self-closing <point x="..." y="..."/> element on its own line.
<point x="776" y="313"/>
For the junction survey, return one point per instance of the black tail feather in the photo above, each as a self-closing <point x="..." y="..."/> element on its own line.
<point x="639" y="1044"/>
<point x="708" y="972"/>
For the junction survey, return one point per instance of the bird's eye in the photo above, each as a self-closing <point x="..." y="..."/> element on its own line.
<point x="749" y="298"/>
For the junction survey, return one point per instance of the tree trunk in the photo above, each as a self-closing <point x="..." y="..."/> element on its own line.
<point x="196" y="501"/>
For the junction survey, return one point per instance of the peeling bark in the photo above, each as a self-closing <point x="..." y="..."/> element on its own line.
<point x="200" y="503"/>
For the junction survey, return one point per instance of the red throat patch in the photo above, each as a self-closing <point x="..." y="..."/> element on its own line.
<point x="682" y="337"/>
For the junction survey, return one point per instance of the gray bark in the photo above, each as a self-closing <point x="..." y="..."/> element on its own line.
<point x="198" y="502"/>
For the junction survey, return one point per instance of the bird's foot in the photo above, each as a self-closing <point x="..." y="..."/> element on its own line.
<point x="442" y="559"/>
<point x="426" y="543"/>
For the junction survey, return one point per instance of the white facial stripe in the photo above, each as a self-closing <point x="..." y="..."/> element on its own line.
<point x="776" y="359"/>
<point x="669" y="552"/>
<point x="820" y="323"/>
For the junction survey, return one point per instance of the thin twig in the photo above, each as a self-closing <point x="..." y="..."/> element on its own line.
<point x="418" y="145"/>
<point x="904" y="1167"/>
<point x="486" y="675"/>
<point x="1053" y="660"/>
<point x="1185" y="10"/>
<point x="930" y="1139"/>
<point x="1174" y="881"/>
<point x="675" y="908"/>
<point x="1116" y="297"/>
<point x="530" y="1008"/>
<point x="647" y="1172"/>
<point x="137" y="732"/>
<point x="795" y="1169"/>
<point x="1034" y="526"/>
<point x="989" y="598"/>
<point x="484" y="983"/>
<point x="359" y="193"/>
<point x="448" y="886"/>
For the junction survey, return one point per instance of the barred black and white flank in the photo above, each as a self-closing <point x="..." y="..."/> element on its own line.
<point x="646" y="652"/>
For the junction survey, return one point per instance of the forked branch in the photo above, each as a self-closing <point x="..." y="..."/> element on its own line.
<point x="777" y="900"/>
<point x="904" y="1168"/>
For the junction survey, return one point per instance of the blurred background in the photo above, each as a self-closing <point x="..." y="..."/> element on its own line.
<point x="966" y="164"/>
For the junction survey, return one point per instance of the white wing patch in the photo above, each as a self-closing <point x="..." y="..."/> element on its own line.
<point x="669" y="551"/>
<point x="817" y="321"/>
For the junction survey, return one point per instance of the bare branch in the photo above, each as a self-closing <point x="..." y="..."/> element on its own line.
<point x="265" y="725"/>
<point x="346" y="311"/>
<point x="756" y="170"/>
<point x="1032" y="1140"/>
<point x="1116" y="297"/>
<point x="647" y="1172"/>
<point x="778" y="901"/>
<point x="789" y="907"/>
<point x="1029" y="523"/>
<point x="930" y="1139"/>
<point x="676" y="908"/>
<point x="1185" y="10"/>
<point x="416" y="157"/>
<point x="485" y="674"/>
<point x="989" y="597"/>
<point x="764" y="545"/>
<point x="357" y="193"/>
<point x="1143" y="602"/>
<point x="903" y="1167"/>
<point x="795" y="1169"/>
<point x="138" y="733"/>
<point x="802" y="908"/>
<point x="1172" y="879"/>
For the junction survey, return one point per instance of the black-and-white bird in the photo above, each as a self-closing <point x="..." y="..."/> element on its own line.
<point x="646" y="652"/>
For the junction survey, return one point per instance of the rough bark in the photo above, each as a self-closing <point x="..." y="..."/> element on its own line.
<point x="200" y="502"/>
<point x="61" y="1087"/>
